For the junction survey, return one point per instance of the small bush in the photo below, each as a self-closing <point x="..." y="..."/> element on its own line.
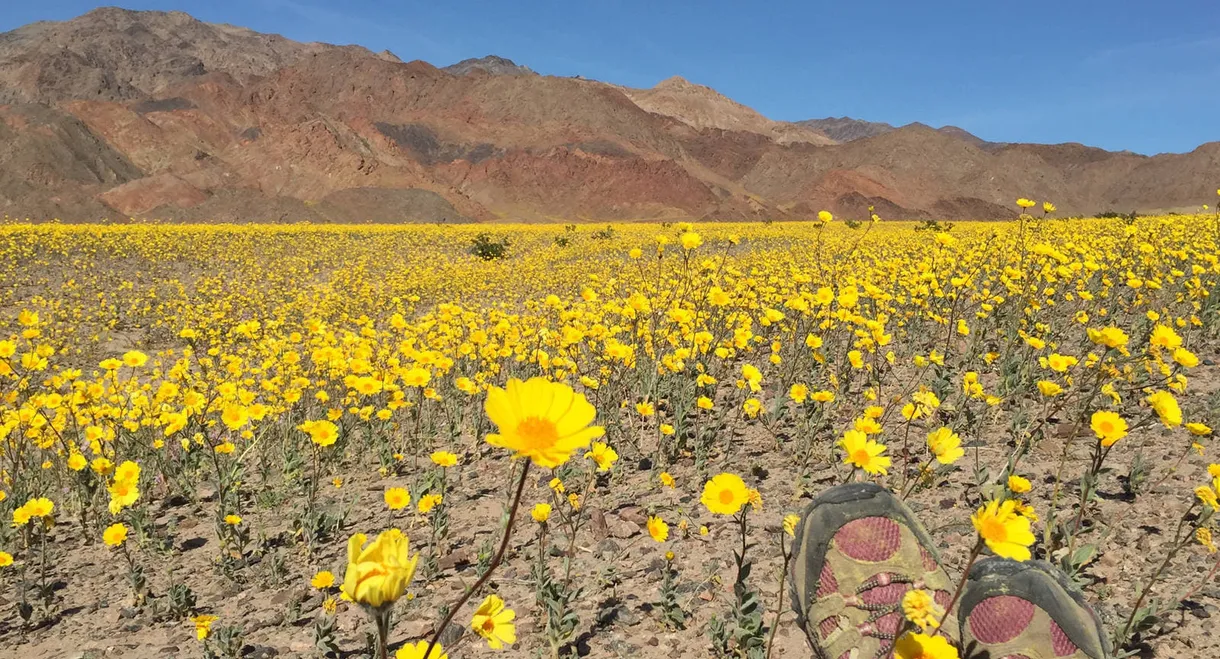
<point x="488" y="248"/>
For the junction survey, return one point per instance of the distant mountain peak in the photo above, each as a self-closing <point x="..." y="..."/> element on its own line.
<point x="490" y="64"/>
<point x="846" y="129"/>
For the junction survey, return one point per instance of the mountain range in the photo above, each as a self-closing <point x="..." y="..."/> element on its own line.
<point x="131" y="114"/>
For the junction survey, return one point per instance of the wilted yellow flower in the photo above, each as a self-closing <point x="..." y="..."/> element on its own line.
<point x="1018" y="484"/>
<point x="203" y="625"/>
<point x="790" y="522"/>
<point x="541" y="512"/>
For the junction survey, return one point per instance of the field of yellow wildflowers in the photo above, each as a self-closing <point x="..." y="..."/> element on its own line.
<point x="263" y="441"/>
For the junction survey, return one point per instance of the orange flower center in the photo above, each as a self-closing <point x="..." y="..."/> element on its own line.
<point x="726" y="496"/>
<point x="860" y="457"/>
<point x="994" y="530"/>
<point x="1106" y="427"/>
<point x="489" y="625"/>
<point x="537" y="434"/>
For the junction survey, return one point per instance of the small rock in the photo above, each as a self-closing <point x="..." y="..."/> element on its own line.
<point x="597" y="525"/>
<point x="127" y="613"/>
<point x="452" y="634"/>
<point x="633" y="514"/>
<point x="133" y="627"/>
<point x="623" y="529"/>
<point x="170" y="650"/>
<point x="652" y="641"/>
<point x="607" y="549"/>
<point x="287" y="595"/>
<point x="453" y="559"/>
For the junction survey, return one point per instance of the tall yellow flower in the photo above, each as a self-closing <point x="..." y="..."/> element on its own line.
<point x="378" y="574"/>
<point x="541" y="420"/>
<point x="115" y="535"/>
<point x="603" y="455"/>
<point x="1166" y="407"/>
<point x="494" y="622"/>
<point x="1108" y="426"/>
<point x="1004" y="530"/>
<point x="725" y="494"/>
<point x="946" y="445"/>
<point x="864" y="453"/>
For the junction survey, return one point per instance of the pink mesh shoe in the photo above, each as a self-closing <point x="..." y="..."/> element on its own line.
<point x="858" y="550"/>
<point x="1027" y="610"/>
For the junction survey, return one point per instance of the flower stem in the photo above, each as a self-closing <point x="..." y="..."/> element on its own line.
<point x="961" y="585"/>
<point x="495" y="562"/>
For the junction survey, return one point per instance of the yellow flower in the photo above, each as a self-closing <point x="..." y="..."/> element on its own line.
<point x="203" y="625"/>
<point x="1208" y="496"/>
<point x="1111" y="337"/>
<point x="946" y="445"/>
<point x="798" y="392"/>
<point x="1018" y="484"/>
<point x="704" y="403"/>
<point x="913" y="645"/>
<point x="725" y="494"/>
<point x="923" y="611"/>
<point x="115" y="535"/>
<point x="1163" y="336"/>
<point x="541" y="420"/>
<point x="397" y="498"/>
<point x="1048" y="207"/>
<point x="823" y="396"/>
<point x="666" y="429"/>
<point x="645" y="409"/>
<point x="658" y="529"/>
<point x="1185" y="358"/>
<point x="235" y="416"/>
<point x="1199" y="429"/>
<point x="1048" y="388"/>
<point x="34" y="508"/>
<point x="556" y="485"/>
<point x="134" y="358"/>
<point x="428" y="502"/>
<point x="790" y="522"/>
<point x="1026" y="203"/>
<point x="1166" y="407"/>
<point x="323" y="433"/>
<point x="494" y="622"/>
<point x="6" y="559"/>
<point x="690" y="240"/>
<point x="378" y="574"/>
<point x="1108" y="426"/>
<point x="666" y="479"/>
<point x="752" y="407"/>
<point x="825" y="216"/>
<point x="1203" y="535"/>
<point x="416" y="651"/>
<point x="323" y="580"/>
<point x="541" y="512"/>
<point x="603" y="455"/>
<point x="444" y="458"/>
<point x="233" y="520"/>
<point x="864" y="453"/>
<point x="1005" y="532"/>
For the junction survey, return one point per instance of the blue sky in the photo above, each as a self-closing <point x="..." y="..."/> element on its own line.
<point x="1122" y="74"/>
